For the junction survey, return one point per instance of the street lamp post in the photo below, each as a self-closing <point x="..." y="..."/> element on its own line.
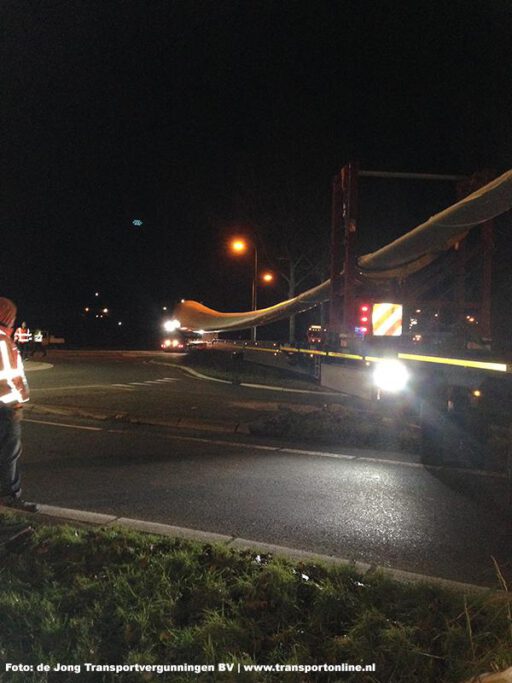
<point x="239" y="246"/>
<point x="254" y="289"/>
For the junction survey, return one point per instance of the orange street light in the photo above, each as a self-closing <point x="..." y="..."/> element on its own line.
<point x="238" y="245"/>
<point x="267" y="277"/>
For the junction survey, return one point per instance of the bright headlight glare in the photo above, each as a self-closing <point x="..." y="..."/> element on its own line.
<point x="171" y="325"/>
<point x="390" y="375"/>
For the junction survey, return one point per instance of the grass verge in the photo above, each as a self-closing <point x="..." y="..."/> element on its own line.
<point x="221" y="364"/>
<point x="103" y="596"/>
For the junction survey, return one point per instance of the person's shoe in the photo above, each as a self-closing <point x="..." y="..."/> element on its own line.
<point x="17" y="503"/>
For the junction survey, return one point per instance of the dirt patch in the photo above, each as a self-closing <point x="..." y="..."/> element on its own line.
<point x="343" y="426"/>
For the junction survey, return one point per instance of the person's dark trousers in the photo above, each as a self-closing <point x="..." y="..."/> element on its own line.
<point x="10" y="451"/>
<point x="38" y="348"/>
<point x="23" y="349"/>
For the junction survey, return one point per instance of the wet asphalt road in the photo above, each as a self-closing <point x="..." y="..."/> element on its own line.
<point x="150" y="385"/>
<point x="390" y="513"/>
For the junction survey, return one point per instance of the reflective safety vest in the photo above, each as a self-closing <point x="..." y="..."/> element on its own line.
<point x="22" y="336"/>
<point x="13" y="383"/>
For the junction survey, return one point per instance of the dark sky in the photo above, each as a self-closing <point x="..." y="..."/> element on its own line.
<point x="172" y="111"/>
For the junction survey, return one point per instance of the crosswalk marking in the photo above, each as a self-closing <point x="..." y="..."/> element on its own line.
<point x="163" y="380"/>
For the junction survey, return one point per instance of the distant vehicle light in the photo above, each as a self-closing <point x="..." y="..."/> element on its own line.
<point x="171" y="325"/>
<point x="390" y="375"/>
<point x="477" y="393"/>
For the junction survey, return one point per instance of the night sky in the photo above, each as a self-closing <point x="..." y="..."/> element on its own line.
<point x="190" y="114"/>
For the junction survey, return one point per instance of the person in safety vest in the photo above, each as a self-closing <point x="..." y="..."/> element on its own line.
<point x="13" y="393"/>
<point x="23" y="337"/>
<point x="38" y="343"/>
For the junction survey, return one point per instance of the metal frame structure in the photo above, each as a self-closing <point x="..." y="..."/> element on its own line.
<point x="344" y="273"/>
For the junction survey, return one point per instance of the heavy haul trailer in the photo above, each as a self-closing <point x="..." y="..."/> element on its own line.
<point x="453" y="399"/>
<point x="448" y="376"/>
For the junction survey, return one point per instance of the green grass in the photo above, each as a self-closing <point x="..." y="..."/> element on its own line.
<point x="109" y="596"/>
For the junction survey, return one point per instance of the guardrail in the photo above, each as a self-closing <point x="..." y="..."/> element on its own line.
<point x="276" y="347"/>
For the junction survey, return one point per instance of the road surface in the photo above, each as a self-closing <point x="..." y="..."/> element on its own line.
<point x="381" y="508"/>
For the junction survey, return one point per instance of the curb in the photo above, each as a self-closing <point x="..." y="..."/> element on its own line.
<point x="60" y="515"/>
<point x="179" y="422"/>
<point x="33" y="366"/>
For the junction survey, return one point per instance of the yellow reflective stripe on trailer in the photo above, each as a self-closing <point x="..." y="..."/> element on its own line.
<point x="460" y="362"/>
<point x="259" y="348"/>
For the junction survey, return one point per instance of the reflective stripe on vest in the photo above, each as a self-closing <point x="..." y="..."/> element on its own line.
<point x="22" y="335"/>
<point x="9" y="374"/>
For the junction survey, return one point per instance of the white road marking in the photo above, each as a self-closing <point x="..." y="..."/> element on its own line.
<point x="297" y="451"/>
<point x="199" y="375"/>
<point x="291" y="391"/>
<point x="72" y="386"/>
<point x="139" y="384"/>
<point x="62" y="424"/>
<point x="123" y="386"/>
<point x="336" y="456"/>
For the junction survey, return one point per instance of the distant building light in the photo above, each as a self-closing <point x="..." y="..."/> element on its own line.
<point x="105" y="310"/>
<point x="86" y="309"/>
<point x="119" y="323"/>
<point x="96" y="293"/>
<point x="164" y="308"/>
<point x="137" y="222"/>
